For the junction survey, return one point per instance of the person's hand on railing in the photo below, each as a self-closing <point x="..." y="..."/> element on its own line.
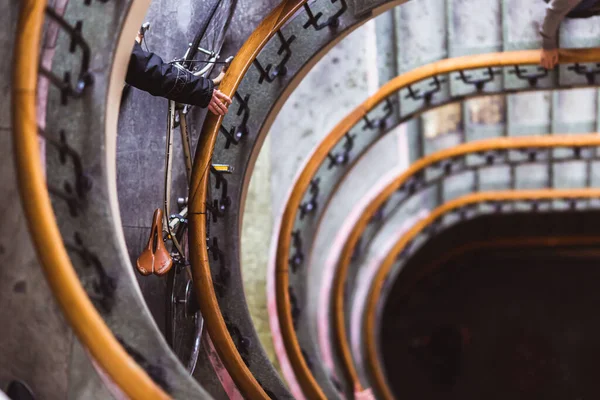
<point x="219" y="103"/>
<point x="143" y="29"/>
<point x="549" y="58"/>
<point x="362" y="394"/>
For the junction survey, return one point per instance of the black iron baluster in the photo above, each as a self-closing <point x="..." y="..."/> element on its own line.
<point x="463" y="211"/>
<point x="307" y="359"/>
<point x="73" y="201"/>
<point x="332" y="22"/>
<point x="496" y="205"/>
<point x="242" y="343"/>
<point x="104" y="286"/>
<point x="298" y="257"/>
<point x="531" y="154"/>
<point x="213" y="211"/>
<point x="231" y="135"/>
<point x="223" y="277"/>
<point x="489" y="76"/>
<point x="447" y="166"/>
<point x="270" y="72"/>
<point x="379" y="214"/>
<point x="214" y="249"/>
<point x="236" y="133"/>
<point x="532" y="78"/>
<point x="224" y="202"/>
<point x="294" y="308"/>
<point x="342" y="158"/>
<point x="311" y="206"/>
<point x="336" y="383"/>
<point x="414" y="183"/>
<point x="589" y="73"/>
<point x="83" y="183"/>
<point x="357" y="251"/>
<point x="267" y="391"/>
<point x="379" y="123"/>
<point x="84" y="78"/>
<point x="427" y="95"/>
<point x="490" y="157"/>
<point x="156" y="372"/>
<point x="406" y="250"/>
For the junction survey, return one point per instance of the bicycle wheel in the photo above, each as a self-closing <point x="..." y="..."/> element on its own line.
<point x="211" y="33"/>
<point x="184" y="321"/>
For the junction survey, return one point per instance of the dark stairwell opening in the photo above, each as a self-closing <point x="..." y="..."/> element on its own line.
<point x="498" y="321"/>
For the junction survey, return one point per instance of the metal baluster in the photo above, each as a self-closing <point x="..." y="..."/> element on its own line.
<point x="270" y="72"/>
<point x="332" y="22"/>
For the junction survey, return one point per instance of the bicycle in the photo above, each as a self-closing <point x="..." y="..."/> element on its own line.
<point x="168" y="256"/>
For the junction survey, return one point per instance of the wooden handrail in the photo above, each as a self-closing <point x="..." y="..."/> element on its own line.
<point x="199" y="188"/>
<point x="388" y="261"/>
<point x="460" y="150"/>
<point x="204" y="289"/>
<point x="495" y="243"/>
<point x="500" y="59"/>
<point x="87" y="324"/>
<point x="319" y="155"/>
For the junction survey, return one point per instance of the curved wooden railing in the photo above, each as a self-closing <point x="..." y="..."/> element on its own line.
<point x="340" y="25"/>
<point x="320" y="154"/>
<point x="197" y="202"/>
<point x="481" y="146"/>
<point x="501" y="242"/>
<point x="386" y="265"/>
<point x="83" y="317"/>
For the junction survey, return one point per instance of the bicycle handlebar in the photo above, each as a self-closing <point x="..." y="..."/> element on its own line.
<point x="221" y="75"/>
<point x="144" y="28"/>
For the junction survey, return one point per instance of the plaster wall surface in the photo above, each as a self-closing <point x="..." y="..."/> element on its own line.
<point x="36" y="340"/>
<point x="338" y="83"/>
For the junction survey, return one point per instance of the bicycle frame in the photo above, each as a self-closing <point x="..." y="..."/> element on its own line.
<point x="171" y="224"/>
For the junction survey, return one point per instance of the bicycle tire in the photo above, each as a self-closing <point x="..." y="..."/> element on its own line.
<point x="211" y="33"/>
<point x="183" y="340"/>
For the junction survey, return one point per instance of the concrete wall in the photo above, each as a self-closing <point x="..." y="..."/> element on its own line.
<point x="38" y="347"/>
<point x="336" y="85"/>
<point x="343" y="79"/>
<point x="36" y="342"/>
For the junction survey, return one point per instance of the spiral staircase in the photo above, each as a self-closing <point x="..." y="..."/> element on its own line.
<point x="414" y="187"/>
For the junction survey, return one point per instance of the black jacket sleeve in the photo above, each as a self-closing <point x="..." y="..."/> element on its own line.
<point x="148" y="72"/>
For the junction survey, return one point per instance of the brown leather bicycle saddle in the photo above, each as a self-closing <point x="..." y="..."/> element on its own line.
<point x="155" y="259"/>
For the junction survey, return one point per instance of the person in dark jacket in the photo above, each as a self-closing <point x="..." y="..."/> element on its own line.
<point x="148" y="72"/>
<point x="556" y="11"/>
